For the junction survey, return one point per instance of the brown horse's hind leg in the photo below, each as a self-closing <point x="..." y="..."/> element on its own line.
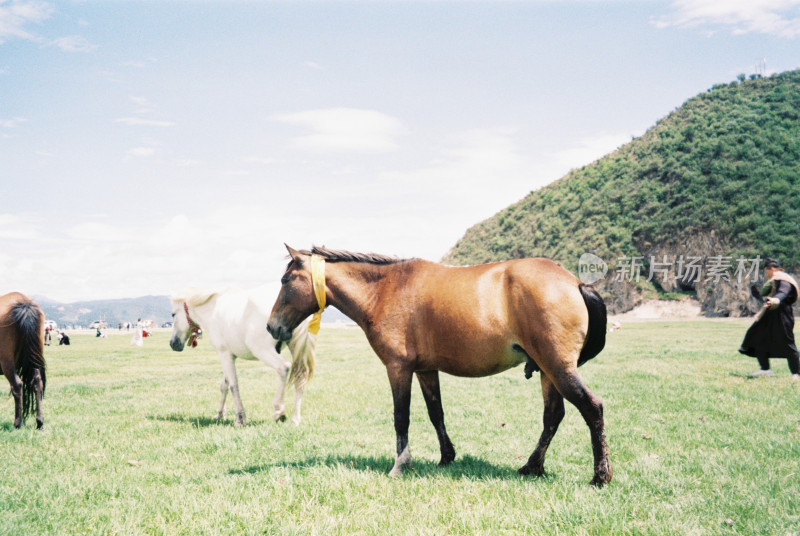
<point x="16" y="391"/>
<point x="572" y="388"/>
<point x="38" y="389"/>
<point x="400" y="381"/>
<point x="429" y="381"/>
<point x="553" y="414"/>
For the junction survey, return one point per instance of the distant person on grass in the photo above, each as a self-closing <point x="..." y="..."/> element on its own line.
<point x="136" y="340"/>
<point x="63" y="339"/>
<point x="771" y="335"/>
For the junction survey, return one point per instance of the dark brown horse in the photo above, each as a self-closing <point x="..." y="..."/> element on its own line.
<point x="22" y="354"/>
<point x="422" y="317"/>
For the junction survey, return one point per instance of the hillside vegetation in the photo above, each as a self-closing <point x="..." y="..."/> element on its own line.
<point x="726" y="164"/>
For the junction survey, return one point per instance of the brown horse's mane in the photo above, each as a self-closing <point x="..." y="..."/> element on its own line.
<point x="334" y="255"/>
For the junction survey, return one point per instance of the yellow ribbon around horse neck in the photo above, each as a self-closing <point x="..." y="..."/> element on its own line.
<point x="318" y="282"/>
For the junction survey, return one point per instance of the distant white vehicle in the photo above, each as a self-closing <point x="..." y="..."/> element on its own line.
<point x="51" y="324"/>
<point x="98" y="324"/>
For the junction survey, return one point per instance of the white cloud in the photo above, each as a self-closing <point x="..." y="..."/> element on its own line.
<point x="138" y="121"/>
<point x="420" y="210"/>
<point x="258" y="160"/>
<point x="141" y="152"/>
<point x="235" y="172"/>
<point x="109" y="259"/>
<point x="344" y="129"/>
<point x="187" y="162"/>
<point x="587" y="150"/>
<point x="15" y="15"/>
<point x="12" y="123"/>
<point x="97" y="232"/>
<point x="74" y="43"/>
<point x="774" y="17"/>
<point x="143" y="105"/>
<point x="17" y="227"/>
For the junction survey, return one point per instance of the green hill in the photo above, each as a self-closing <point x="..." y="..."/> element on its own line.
<point x="720" y="175"/>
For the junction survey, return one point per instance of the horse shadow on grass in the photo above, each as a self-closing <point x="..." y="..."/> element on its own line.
<point x="465" y="467"/>
<point x="6" y="426"/>
<point x="742" y="375"/>
<point x="199" y="421"/>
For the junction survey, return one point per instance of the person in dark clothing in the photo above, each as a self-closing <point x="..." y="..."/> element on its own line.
<point x="772" y="335"/>
<point x="63" y="339"/>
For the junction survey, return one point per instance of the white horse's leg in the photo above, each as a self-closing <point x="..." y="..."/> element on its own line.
<point x="282" y="370"/>
<point x="267" y="354"/>
<point x="280" y="411"/>
<point x="223" y="387"/>
<point x="229" y="368"/>
<point x="298" y="400"/>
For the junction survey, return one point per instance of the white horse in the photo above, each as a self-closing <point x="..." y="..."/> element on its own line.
<point x="235" y="324"/>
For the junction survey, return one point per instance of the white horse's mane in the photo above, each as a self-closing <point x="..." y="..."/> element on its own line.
<point x="194" y="297"/>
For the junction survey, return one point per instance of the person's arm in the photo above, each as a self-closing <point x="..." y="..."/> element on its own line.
<point x="783" y="292"/>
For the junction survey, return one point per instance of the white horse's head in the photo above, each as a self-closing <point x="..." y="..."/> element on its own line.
<point x="180" y="326"/>
<point x="181" y="323"/>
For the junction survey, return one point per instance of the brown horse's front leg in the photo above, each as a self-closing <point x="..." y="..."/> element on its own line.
<point x="553" y="414"/>
<point x="400" y="381"/>
<point x="429" y="382"/>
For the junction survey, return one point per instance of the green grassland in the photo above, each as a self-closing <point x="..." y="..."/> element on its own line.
<point x="130" y="446"/>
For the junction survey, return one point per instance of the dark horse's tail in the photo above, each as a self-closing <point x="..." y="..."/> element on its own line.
<point x="596" y="337"/>
<point x="30" y="352"/>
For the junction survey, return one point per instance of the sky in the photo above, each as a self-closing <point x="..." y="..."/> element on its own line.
<point x="147" y="146"/>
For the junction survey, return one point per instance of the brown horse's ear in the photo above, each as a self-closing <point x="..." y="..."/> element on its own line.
<point x="293" y="253"/>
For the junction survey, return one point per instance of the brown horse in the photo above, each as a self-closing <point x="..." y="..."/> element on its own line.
<point x="422" y="317"/>
<point x="22" y="354"/>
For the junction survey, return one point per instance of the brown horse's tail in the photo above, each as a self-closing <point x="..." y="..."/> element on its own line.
<point x="30" y="349"/>
<point x="596" y="336"/>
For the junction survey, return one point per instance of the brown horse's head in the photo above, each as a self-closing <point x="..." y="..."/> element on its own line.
<point x="296" y="299"/>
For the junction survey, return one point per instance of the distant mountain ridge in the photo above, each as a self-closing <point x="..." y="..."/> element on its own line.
<point x="83" y="313"/>
<point x="718" y="177"/>
<point x="155" y="308"/>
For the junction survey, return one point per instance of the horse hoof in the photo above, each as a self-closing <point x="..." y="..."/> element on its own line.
<point x="396" y="472"/>
<point x="281" y="418"/>
<point x="17" y="424"/>
<point x="602" y="474"/>
<point x="526" y="470"/>
<point x="600" y="480"/>
<point x="447" y="458"/>
<point x="39" y="424"/>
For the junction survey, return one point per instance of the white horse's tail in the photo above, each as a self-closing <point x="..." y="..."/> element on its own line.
<point x="303" y="346"/>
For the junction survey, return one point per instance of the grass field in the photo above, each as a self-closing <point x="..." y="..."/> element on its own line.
<point x="130" y="446"/>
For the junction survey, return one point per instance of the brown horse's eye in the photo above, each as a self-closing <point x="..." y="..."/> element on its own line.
<point x="284" y="279"/>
